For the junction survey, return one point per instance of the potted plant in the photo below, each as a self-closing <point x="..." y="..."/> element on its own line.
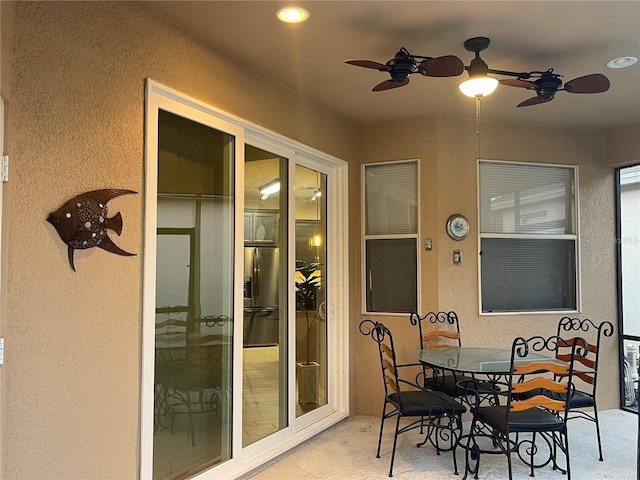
<point x="308" y="282"/>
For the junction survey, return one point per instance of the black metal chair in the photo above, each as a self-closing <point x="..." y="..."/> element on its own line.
<point x="543" y="415"/>
<point x="447" y="334"/>
<point x="437" y="411"/>
<point x="584" y="395"/>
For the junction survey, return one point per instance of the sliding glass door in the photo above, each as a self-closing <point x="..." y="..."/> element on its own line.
<point x="245" y="330"/>
<point x="628" y="183"/>
<point x="194" y="307"/>
<point x="311" y="292"/>
<point x="265" y="326"/>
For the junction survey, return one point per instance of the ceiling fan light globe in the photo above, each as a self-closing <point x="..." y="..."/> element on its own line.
<point x="479" y="86"/>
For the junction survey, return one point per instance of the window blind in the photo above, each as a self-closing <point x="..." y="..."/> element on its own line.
<point x="391" y="198"/>
<point x="529" y="199"/>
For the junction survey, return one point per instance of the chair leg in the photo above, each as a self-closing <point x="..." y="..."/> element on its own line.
<point x="565" y="434"/>
<point x="453" y="427"/>
<point x="509" y="458"/>
<point x="532" y="450"/>
<point x="471" y="453"/>
<point x="595" y="416"/>
<point x="393" y="449"/>
<point x="382" y="418"/>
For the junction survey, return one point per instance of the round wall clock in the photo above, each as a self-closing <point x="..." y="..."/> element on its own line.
<point x="457" y="227"/>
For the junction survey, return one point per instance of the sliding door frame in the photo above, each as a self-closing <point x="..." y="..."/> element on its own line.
<point x="622" y="337"/>
<point x="299" y="429"/>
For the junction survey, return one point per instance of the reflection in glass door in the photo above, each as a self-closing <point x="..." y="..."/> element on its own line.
<point x="311" y="282"/>
<point x="629" y="290"/>
<point x="264" y="367"/>
<point x="194" y="304"/>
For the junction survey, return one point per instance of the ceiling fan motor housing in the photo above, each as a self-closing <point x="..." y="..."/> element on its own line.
<point x="547" y="85"/>
<point x="402" y="66"/>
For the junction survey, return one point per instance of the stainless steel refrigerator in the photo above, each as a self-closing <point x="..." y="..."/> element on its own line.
<point x="261" y="295"/>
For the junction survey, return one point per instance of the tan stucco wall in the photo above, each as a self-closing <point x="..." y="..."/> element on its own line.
<point x="76" y="123"/>
<point x="450" y="172"/>
<point x="623" y="145"/>
<point x="73" y="75"/>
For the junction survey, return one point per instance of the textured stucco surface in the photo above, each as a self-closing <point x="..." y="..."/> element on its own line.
<point x="623" y="145"/>
<point x="73" y="75"/>
<point x="452" y="174"/>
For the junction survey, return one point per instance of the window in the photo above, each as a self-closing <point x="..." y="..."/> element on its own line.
<point x="391" y="237"/>
<point x="528" y="237"/>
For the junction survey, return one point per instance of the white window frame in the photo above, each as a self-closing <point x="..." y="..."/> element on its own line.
<point x="245" y="459"/>
<point x="365" y="236"/>
<point x="575" y="236"/>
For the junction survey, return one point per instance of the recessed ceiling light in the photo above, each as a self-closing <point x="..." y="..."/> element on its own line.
<point x="622" y="62"/>
<point x="292" y="14"/>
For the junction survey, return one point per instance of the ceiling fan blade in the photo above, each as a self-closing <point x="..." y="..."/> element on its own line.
<point x="389" y="84"/>
<point x="595" y="83"/>
<point x="368" y="64"/>
<point x="516" y="82"/>
<point x="447" y="66"/>
<point x="535" y="101"/>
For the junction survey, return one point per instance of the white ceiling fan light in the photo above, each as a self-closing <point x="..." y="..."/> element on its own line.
<point x="479" y="84"/>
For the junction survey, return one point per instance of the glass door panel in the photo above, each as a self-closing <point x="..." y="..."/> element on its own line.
<point x="194" y="298"/>
<point x="264" y="371"/>
<point x="311" y="280"/>
<point x="629" y="242"/>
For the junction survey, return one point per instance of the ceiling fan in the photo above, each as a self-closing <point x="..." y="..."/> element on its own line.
<point x="548" y="83"/>
<point x="404" y="64"/>
<point x="545" y="85"/>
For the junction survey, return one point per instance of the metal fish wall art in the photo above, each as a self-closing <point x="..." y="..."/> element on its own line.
<point x="82" y="222"/>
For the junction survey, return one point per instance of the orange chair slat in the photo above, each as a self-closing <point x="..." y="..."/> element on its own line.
<point x="539" y="382"/>
<point x="537" y="401"/>
<point x="567" y="343"/>
<point x="386" y="349"/>
<point x="391" y="382"/>
<point x="525" y="368"/>
<point x="585" y="377"/>
<point x="440" y="333"/>
<point x="387" y="364"/>
<point x="587" y="362"/>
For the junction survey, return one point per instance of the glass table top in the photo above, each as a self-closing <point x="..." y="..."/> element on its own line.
<point x="474" y="359"/>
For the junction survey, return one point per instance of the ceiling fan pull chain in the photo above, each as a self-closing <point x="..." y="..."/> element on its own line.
<point x="478" y="122"/>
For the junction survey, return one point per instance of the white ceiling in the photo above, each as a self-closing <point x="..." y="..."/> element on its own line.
<point x="572" y="37"/>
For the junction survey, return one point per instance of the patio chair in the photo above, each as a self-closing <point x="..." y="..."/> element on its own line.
<point x="447" y="334"/>
<point x="584" y="395"/>
<point x="437" y="411"/>
<point x="542" y="415"/>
